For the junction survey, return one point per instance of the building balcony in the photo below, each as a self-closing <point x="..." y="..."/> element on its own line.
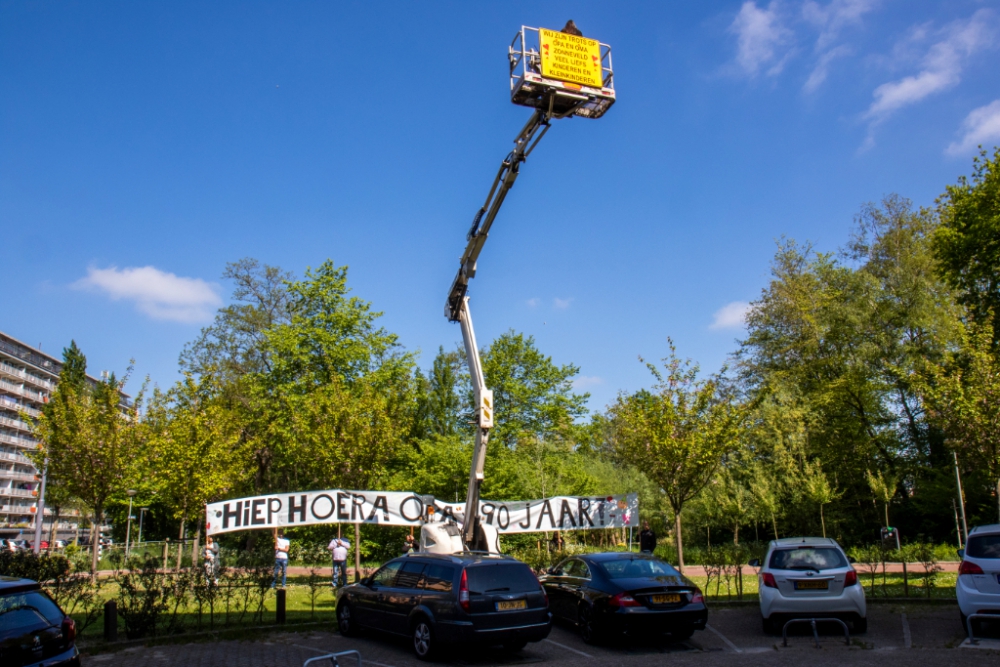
<point x="18" y="476"/>
<point x="17" y="493"/>
<point x="16" y="458"/>
<point x="17" y="509"/>
<point x="17" y="407"/>
<point x="30" y="394"/>
<point x="14" y="423"/>
<point x="14" y="372"/>
<point x="18" y="441"/>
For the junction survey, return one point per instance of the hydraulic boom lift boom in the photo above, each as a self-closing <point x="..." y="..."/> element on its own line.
<point x="551" y="99"/>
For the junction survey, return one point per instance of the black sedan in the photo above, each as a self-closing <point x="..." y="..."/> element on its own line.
<point x="614" y="594"/>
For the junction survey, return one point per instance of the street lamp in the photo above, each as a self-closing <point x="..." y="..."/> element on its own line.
<point x="142" y="513"/>
<point x="128" y="530"/>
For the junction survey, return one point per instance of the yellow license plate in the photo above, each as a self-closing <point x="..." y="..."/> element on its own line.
<point x="506" y="605"/>
<point x="812" y="585"/>
<point x="671" y="598"/>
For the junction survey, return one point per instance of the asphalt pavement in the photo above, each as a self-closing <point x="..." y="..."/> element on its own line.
<point x="910" y="635"/>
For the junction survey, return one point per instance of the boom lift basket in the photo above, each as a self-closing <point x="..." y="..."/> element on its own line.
<point x="528" y="86"/>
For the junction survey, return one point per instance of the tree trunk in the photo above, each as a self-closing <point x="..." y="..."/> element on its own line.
<point x="180" y="545"/>
<point x="774" y="524"/>
<point x="52" y="528"/>
<point x="95" y="542"/>
<point x="887" y="514"/>
<point x="822" y="521"/>
<point x="680" y="542"/>
<point x="736" y="534"/>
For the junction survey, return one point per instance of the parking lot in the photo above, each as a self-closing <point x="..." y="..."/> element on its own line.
<point x="911" y="635"/>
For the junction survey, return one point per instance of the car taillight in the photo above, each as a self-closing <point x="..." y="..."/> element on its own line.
<point x="68" y="630"/>
<point x="969" y="568"/>
<point x="623" y="600"/>
<point x="851" y="579"/>
<point x="769" y="580"/>
<point x="463" y="592"/>
<point x="697" y="597"/>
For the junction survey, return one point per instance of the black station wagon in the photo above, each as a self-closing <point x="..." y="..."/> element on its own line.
<point x="441" y="600"/>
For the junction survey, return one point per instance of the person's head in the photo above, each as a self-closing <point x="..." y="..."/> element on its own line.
<point x="208" y="540"/>
<point x="645" y="525"/>
<point x="281" y="533"/>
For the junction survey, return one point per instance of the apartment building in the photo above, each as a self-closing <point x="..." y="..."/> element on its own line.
<point x="27" y="379"/>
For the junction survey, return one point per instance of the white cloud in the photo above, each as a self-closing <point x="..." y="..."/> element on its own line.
<point x="759" y="37"/>
<point x="161" y="295"/>
<point x="833" y="17"/>
<point x="981" y="126"/>
<point x="941" y="66"/>
<point x="819" y="73"/>
<point x="582" y="382"/>
<point x="730" y="316"/>
<point x="562" y="304"/>
<point x="533" y="302"/>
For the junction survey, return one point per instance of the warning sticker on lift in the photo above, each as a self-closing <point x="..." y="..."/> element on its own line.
<point x="570" y="58"/>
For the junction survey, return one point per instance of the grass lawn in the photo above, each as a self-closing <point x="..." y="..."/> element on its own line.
<point x="942" y="588"/>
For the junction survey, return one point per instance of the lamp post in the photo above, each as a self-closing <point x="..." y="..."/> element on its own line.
<point x="128" y="529"/>
<point x="142" y="513"/>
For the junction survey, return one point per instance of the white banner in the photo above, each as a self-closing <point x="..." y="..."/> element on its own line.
<point x="401" y="508"/>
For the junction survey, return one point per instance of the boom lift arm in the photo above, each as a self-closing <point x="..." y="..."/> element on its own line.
<point x="457" y="308"/>
<point x="551" y="99"/>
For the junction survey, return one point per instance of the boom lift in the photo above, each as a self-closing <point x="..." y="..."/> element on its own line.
<point x="559" y="76"/>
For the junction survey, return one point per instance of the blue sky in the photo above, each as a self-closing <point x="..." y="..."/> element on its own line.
<point x="144" y="145"/>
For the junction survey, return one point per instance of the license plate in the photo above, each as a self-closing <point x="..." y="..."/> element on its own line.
<point x="506" y="605"/>
<point x="671" y="598"/>
<point x="812" y="585"/>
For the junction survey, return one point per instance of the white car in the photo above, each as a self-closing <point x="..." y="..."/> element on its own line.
<point x="978" y="586"/>
<point x="809" y="577"/>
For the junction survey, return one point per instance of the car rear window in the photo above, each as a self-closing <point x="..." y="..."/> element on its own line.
<point x="501" y="577"/>
<point x="807" y="558"/>
<point x="438" y="578"/>
<point x="23" y="612"/>
<point x="637" y="568"/>
<point x="983" y="546"/>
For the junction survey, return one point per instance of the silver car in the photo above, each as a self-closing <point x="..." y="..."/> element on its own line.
<point x="809" y="577"/>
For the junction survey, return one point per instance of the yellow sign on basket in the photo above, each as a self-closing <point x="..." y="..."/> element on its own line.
<point x="570" y="58"/>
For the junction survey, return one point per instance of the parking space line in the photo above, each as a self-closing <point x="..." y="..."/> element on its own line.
<point x="323" y="650"/>
<point x="907" y="639"/>
<point x="723" y="638"/>
<point x="585" y="655"/>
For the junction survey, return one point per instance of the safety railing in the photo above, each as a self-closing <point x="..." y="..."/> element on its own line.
<point x="18" y="407"/>
<point x="14" y="423"/>
<point x="20" y="374"/>
<point x="16" y="458"/>
<point x="17" y="493"/>
<point x="334" y="658"/>
<point x="18" y="441"/>
<point x="813" y="622"/>
<point x="968" y="624"/>
<point x="7" y="385"/>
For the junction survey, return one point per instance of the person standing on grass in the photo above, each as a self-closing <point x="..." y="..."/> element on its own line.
<point x="281" y="546"/>
<point x="339" y="547"/>
<point x="647" y="539"/>
<point x="211" y="561"/>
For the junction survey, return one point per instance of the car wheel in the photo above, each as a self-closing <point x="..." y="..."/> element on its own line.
<point x="770" y="625"/>
<point x="860" y="626"/>
<point x="514" y="647"/>
<point x="586" y="624"/>
<point x="423" y="639"/>
<point x="346" y="621"/>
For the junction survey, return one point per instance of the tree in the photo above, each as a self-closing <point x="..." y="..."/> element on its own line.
<point x="967" y="242"/>
<point x="818" y="489"/>
<point x="963" y="396"/>
<point x="90" y="439"/>
<point x="678" y="433"/>
<point x="233" y="345"/>
<point x="192" y="447"/>
<point x="531" y="395"/>
<point x="883" y="487"/>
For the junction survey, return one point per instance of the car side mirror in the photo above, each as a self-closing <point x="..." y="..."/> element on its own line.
<point x="851" y="560"/>
<point x="961" y="554"/>
<point x="754" y="563"/>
